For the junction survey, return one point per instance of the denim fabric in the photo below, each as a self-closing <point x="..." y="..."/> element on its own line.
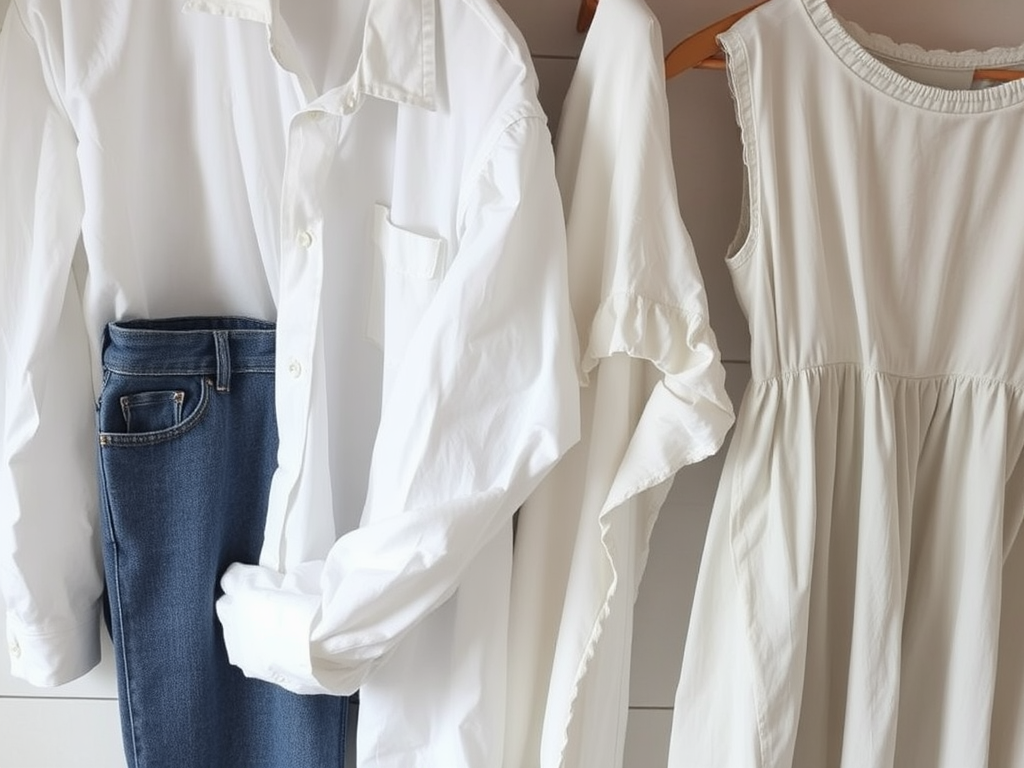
<point x="188" y="443"/>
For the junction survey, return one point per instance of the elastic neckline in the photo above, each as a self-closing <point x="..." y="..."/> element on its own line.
<point x="856" y="48"/>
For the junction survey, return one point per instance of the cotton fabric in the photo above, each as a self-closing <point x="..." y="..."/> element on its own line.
<point x="654" y="402"/>
<point x="377" y="178"/>
<point x="857" y="603"/>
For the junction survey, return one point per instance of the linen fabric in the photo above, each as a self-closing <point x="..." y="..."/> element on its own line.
<point x="377" y="178"/>
<point x="857" y="603"/>
<point x="654" y="402"/>
<point x="186" y="425"/>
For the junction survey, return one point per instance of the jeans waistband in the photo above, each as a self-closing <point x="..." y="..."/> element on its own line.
<point x="215" y="346"/>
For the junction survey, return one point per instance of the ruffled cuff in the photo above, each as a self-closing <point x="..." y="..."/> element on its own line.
<point x="688" y="414"/>
<point x="674" y="339"/>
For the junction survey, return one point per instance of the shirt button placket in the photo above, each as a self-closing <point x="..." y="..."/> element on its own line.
<point x="311" y="142"/>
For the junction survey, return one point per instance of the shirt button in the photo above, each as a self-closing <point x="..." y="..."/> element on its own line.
<point x="305" y="238"/>
<point x="294" y="368"/>
<point x="277" y="677"/>
<point x="14" y="649"/>
<point x="350" y="102"/>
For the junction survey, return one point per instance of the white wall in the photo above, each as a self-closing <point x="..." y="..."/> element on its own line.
<point x="76" y="726"/>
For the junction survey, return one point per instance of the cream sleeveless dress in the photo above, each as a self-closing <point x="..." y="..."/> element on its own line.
<point x="861" y="598"/>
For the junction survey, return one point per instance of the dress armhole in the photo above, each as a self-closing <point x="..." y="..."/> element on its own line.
<point x="738" y="73"/>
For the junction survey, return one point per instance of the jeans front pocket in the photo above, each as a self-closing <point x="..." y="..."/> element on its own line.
<point x="140" y="410"/>
<point x="152" y="411"/>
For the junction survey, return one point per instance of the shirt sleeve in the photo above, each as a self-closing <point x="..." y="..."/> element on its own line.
<point x="486" y="401"/>
<point x="50" y="574"/>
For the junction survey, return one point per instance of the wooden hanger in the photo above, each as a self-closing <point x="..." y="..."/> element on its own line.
<point x="700" y="50"/>
<point x="586" y="15"/>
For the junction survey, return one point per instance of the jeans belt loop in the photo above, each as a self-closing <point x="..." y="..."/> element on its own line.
<point x="220" y="339"/>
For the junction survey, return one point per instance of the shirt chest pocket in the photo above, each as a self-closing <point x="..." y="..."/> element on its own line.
<point x="407" y="272"/>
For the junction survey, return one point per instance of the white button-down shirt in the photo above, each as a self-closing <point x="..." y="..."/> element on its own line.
<point x="656" y="401"/>
<point x="379" y="180"/>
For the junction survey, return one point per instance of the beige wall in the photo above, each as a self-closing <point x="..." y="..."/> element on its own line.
<point x="77" y="725"/>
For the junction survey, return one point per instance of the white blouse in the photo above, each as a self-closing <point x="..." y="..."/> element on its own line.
<point x="655" y="401"/>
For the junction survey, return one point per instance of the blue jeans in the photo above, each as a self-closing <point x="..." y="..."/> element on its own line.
<point x="188" y="443"/>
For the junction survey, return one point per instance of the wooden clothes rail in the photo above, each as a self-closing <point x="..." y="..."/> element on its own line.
<point x="700" y="50"/>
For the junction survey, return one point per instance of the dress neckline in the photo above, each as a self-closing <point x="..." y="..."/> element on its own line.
<point x="858" y="49"/>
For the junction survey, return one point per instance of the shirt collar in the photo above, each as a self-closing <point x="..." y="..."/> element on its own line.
<point x="398" y="57"/>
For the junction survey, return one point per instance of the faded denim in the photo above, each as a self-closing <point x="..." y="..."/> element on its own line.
<point x="188" y="443"/>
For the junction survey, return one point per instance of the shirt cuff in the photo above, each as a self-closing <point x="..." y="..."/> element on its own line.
<point x="267" y="618"/>
<point x="50" y="658"/>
